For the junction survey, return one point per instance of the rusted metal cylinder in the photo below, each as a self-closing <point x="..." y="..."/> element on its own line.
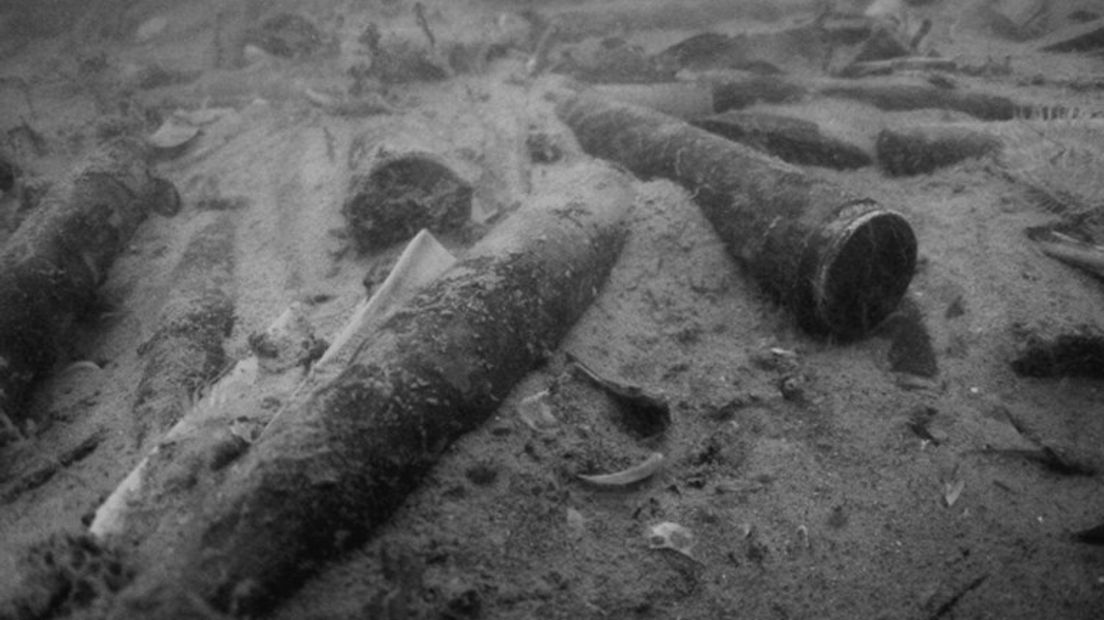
<point x="185" y="350"/>
<point x="926" y="148"/>
<point x="840" y="262"/>
<point x="53" y="263"/>
<point x="359" y="437"/>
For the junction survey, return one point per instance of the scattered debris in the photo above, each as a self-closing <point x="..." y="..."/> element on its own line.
<point x="792" y="388"/>
<point x="536" y="412"/>
<point x="668" y="535"/>
<point x="952" y="489"/>
<point x="576" y="523"/>
<point x="627" y="477"/>
<point x="647" y="414"/>
<point x="151" y="28"/>
<point x="953" y="485"/>
<point x="803" y="536"/>
<point x="1086" y="256"/>
<point x="173" y="137"/>
<point x="919" y="422"/>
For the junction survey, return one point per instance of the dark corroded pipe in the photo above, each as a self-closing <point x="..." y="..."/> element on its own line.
<point x="360" y="436"/>
<point x="53" y="263"/>
<point x="840" y="262"/>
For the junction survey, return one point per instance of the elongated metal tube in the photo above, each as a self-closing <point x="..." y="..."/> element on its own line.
<point x="360" y="438"/>
<point x="53" y="263"/>
<point x="840" y="262"/>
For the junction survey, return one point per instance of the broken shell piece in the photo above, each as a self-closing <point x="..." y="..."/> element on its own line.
<point x="632" y="475"/>
<point x="537" y="413"/>
<point x="368" y="104"/>
<point x="151" y="28"/>
<point x="952" y="489"/>
<point x="647" y="413"/>
<point x="202" y="116"/>
<point x="576" y="523"/>
<point x="173" y="135"/>
<point x="953" y="484"/>
<point x="668" y="535"/>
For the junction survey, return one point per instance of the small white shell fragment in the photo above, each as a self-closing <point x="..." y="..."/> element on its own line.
<point x="173" y="133"/>
<point x="668" y="535"/>
<point x="151" y="28"/>
<point x="537" y="413"/>
<point x="576" y="523"/>
<point x="641" y="471"/>
<point x="253" y="54"/>
<point x="952" y="489"/>
<point x="203" y="116"/>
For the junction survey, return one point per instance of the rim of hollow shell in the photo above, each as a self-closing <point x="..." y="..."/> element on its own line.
<point x="865" y="269"/>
